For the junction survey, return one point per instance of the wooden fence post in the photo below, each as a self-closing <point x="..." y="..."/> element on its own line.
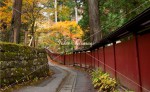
<point x="64" y="59"/>
<point x="98" y="56"/>
<point x="91" y="57"/>
<point x="80" y="59"/>
<point x="73" y="58"/>
<point x="138" y="62"/>
<point x="104" y="58"/>
<point x="94" y="57"/>
<point x="85" y="58"/>
<point x="114" y="50"/>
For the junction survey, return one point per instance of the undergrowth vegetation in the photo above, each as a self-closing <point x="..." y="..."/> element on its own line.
<point x="103" y="82"/>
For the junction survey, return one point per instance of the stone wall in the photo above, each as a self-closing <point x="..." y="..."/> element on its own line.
<point x="21" y="63"/>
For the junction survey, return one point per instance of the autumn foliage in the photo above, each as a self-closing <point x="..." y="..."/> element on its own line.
<point x="6" y="12"/>
<point x="59" y="34"/>
<point x="68" y="29"/>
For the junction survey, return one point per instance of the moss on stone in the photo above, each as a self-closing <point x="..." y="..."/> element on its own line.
<point x="17" y="61"/>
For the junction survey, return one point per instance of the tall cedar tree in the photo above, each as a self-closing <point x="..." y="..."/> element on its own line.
<point x="94" y="21"/>
<point x="16" y="21"/>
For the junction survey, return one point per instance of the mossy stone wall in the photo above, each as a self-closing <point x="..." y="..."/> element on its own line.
<point x="21" y="63"/>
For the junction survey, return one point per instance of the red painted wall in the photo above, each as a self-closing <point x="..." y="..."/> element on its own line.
<point x="62" y="59"/>
<point x="93" y="59"/>
<point x="70" y="59"/>
<point x="66" y="59"/>
<point x="75" y="58"/>
<point x="144" y="58"/>
<point x="88" y="58"/>
<point x="127" y="61"/>
<point x="96" y="58"/>
<point x="101" y="58"/>
<point x="78" y="58"/>
<point x="109" y="60"/>
<point x="126" y="65"/>
<point x="82" y="59"/>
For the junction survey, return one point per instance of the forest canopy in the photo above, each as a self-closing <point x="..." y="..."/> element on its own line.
<point x="44" y="22"/>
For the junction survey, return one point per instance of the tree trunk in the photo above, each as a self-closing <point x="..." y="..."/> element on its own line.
<point x="25" y="37"/>
<point x="33" y="41"/>
<point x="55" y="6"/>
<point x="76" y="14"/>
<point x="32" y="33"/>
<point x="94" y="21"/>
<point x="16" y="21"/>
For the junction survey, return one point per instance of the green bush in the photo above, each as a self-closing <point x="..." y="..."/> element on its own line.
<point x="102" y="81"/>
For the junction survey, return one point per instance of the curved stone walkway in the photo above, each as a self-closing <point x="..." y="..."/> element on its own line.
<point x="64" y="80"/>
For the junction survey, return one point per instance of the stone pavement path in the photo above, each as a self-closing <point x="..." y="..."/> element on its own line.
<point x="64" y="80"/>
<point x="83" y="83"/>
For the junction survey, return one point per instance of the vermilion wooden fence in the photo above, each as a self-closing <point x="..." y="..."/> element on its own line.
<point x="128" y="61"/>
<point x="125" y="61"/>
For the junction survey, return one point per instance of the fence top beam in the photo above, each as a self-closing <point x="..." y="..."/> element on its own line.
<point x="135" y="25"/>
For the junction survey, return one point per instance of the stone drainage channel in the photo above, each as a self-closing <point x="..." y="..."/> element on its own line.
<point x="68" y="83"/>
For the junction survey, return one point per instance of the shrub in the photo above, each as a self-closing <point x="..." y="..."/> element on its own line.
<point x="102" y="81"/>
